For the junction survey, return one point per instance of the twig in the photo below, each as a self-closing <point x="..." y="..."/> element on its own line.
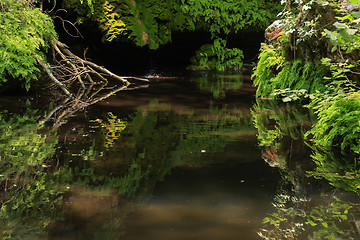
<point x="72" y="65"/>
<point x="66" y="51"/>
<point x="137" y="78"/>
<point x="63" y="21"/>
<point x="53" y="78"/>
<point x="53" y="111"/>
<point x="107" y="95"/>
<point x="53" y="7"/>
<point x="3" y="205"/>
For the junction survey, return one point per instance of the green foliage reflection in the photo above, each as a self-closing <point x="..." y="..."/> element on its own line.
<point x="219" y="85"/>
<point x="281" y="130"/>
<point x="274" y="121"/>
<point x="22" y="146"/>
<point x="27" y="191"/>
<point x="35" y="186"/>
<point x="301" y="218"/>
<point x="335" y="141"/>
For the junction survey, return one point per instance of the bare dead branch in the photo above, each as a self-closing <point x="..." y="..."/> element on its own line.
<point x="53" y="7"/>
<point x="137" y="78"/>
<point x="64" y="48"/>
<point x="53" y="78"/>
<point x="63" y="21"/>
<point x="78" y="76"/>
<point x="74" y="76"/>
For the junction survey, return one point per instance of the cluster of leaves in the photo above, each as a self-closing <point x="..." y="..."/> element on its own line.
<point x="335" y="140"/>
<point x="270" y="62"/>
<point x="25" y="33"/>
<point x="338" y="127"/>
<point x="145" y="22"/>
<point x="273" y="73"/>
<point x="111" y="23"/>
<point x="158" y="18"/>
<point x="293" y="9"/>
<point x="224" y="17"/>
<point x="297" y="219"/>
<point x="346" y="31"/>
<point x="344" y="37"/>
<point x="152" y="22"/>
<point x="217" y="56"/>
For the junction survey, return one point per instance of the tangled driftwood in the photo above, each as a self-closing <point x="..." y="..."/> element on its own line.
<point x="81" y="82"/>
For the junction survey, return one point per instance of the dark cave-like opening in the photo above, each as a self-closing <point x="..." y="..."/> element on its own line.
<point x="125" y="58"/>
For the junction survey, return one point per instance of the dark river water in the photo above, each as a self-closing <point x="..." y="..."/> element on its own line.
<point x="185" y="158"/>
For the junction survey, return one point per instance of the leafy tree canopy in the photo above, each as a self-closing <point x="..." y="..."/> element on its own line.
<point x="25" y="33"/>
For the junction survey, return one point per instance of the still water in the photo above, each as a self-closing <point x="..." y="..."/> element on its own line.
<point x="190" y="157"/>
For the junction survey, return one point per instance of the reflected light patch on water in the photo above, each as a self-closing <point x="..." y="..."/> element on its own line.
<point x="192" y="221"/>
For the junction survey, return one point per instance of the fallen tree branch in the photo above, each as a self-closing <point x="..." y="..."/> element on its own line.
<point x="71" y="64"/>
<point x="53" y="78"/>
<point x="83" y="82"/>
<point x="64" y="48"/>
<point x="137" y="78"/>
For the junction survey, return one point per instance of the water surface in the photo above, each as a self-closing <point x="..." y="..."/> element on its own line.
<point x="208" y="179"/>
<point x="189" y="157"/>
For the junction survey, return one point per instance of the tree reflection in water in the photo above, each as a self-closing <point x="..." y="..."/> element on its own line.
<point x="82" y="187"/>
<point x="305" y="208"/>
<point x="81" y="184"/>
<point x="220" y="85"/>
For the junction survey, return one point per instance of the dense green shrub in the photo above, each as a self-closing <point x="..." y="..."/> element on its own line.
<point x="338" y="127"/>
<point x="217" y="56"/>
<point x="221" y="18"/>
<point x="274" y="73"/>
<point x="25" y="32"/>
<point x="269" y="64"/>
<point x="152" y="22"/>
<point x="335" y="140"/>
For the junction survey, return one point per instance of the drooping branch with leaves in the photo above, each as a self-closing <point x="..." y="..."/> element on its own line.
<point x="26" y="36"/>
